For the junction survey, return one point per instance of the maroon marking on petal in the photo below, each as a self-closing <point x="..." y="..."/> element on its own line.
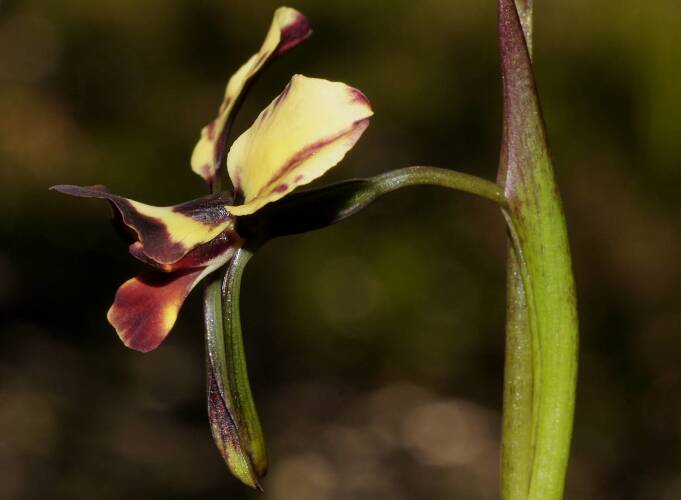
<point x="142" y="305"/>
<point x="293" y="34"/>
<point x="262" y="58"/>
<point x="355" y="131"/>
<point x="298" y="178"/>
<point x="137" y="250"/>
<point x="207" y="172"/>
<point x="200" y="257"/>
<point x="236" y="182"/>
<point x="125" y="232"/>
<point x="151" y="232"/>
<point x="281" y="188"/>
<point x="278" y="100"/>
<point x="210" y="131"/>
<point x="204" y="254"/>
<point x="223" y="106"/>
<point x="220" y="145"/>
<point x="359" y="97"/>
<point x="96" y="191"/>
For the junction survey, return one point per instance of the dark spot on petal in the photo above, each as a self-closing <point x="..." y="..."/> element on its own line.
<point x="210" y="131"/>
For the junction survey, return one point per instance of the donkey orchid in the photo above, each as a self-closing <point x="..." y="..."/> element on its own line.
<point x="303" y="133"/>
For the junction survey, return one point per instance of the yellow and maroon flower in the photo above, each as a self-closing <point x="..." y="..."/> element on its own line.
<point x="303" y="133"/>
<point x="289" y="28"/>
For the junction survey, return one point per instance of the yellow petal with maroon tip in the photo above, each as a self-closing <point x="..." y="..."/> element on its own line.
<point x="146" y="307"/>
<point x="164" y="234"/>
<point x="288" y="29"/>
<point x="303" y="133"/>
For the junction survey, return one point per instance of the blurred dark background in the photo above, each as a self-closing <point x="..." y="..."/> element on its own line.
<point x="375" y="346"/>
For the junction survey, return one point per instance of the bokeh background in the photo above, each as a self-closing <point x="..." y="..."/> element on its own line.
<point x="375" y="346"/>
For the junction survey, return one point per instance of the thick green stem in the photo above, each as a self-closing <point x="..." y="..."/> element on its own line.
<point x="517" y="425"/>
<point x="517" y="443"/>
<point x="541" y="257"/>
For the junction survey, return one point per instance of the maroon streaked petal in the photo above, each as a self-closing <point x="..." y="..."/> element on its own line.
<point x="164" y="235"/>
<point x="303" y="133"/>
<point x="288" y="29"/>
<point x="146" y="307"/>
<point x="201" y="256"/>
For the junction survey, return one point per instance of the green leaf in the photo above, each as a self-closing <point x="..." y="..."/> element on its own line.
<point x="537" y="225"/>
<point x="233" y="418"/>
<point x="517" y="425"/>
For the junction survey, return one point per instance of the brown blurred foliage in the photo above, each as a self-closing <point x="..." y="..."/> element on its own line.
<point x="375" y="346"/>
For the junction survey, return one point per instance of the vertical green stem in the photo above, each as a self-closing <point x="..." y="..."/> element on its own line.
<point x="542" y="342"/>
<point x="517" y="420"/>
<point x="516" y="442"/>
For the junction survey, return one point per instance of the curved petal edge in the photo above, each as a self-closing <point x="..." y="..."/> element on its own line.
<point x="162" y="236"/>
<point x="146" y="307"/>
<point x="302" y="134"/>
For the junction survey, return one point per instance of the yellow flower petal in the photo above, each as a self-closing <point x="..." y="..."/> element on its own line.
<point x="289" y="28"/>
<point x="304" y="132"/>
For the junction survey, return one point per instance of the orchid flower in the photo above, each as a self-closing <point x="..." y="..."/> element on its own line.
<point x="303" y="133"/>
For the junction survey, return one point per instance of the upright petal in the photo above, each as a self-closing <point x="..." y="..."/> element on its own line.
<point x="146" y="307"/>
<point x="304" y="132"/>
<point x="288" y="29"/>
<point x="164" y="235"/>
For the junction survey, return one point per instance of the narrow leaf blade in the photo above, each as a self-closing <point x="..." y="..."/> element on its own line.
<point x="234" y="420"/>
